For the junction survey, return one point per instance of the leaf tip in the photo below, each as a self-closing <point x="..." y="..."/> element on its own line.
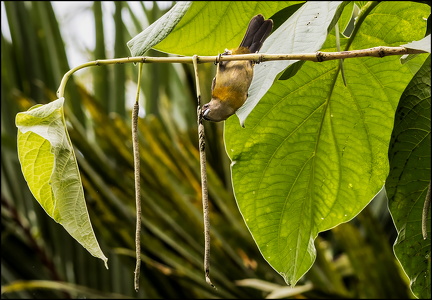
<point x="105" y="260"/>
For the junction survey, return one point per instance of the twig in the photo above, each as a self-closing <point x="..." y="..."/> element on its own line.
<point x="316" y="57"/>
<point x="135" y="146"/>
<point x="205" y="202"/>
<point x="426" y="207"/>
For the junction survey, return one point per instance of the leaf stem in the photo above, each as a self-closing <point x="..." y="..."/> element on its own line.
<point x="426" y="208"/>
<point x="364" y="12"/>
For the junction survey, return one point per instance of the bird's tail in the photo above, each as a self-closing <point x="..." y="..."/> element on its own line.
<point x="258" y="30"/>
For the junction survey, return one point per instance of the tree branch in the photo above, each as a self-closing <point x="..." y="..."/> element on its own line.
<point x="319" y="56"/>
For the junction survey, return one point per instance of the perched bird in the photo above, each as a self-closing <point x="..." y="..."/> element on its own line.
<point x="230" y="86"/>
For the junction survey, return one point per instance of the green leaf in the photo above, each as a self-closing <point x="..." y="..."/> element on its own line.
<point x="304" y="32"/>
<point x="423" y="44"/>
<point x="315" y="151"/>
<point x="49" y="166"/>
<point x="346" y="20"/>
<point x="407" y="183"/>
<point x="157" y="31"/>
<point x="211" y="26"/>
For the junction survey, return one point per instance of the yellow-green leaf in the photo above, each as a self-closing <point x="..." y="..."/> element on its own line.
<point x="50" y="168"/>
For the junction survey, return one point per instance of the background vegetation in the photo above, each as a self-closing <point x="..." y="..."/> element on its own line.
<point x="40" y="260"/>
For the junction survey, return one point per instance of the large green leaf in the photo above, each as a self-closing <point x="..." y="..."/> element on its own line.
<point x="157" y="31"/>
<point x="315" y="151"/>
<point x="49" y="166"/>
<point x="407" y="184"/>
<point x="211" y="26"/>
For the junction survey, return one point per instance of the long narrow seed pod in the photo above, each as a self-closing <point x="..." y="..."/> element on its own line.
<point x="135" y="146"/>
<point x="205" y="202"/>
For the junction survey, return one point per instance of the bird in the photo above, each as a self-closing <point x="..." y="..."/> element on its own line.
<point x="230" y="85"/>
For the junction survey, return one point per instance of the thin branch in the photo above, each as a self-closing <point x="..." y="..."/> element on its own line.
<point x="137" y="181"/>
<point x="426" y="208"/>
<point x="316" y="57"/>
<point x="341" y="61"/>
<point x="204" y="188"/>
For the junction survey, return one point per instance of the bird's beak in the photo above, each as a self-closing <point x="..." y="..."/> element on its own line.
<point x="205" y="111"/>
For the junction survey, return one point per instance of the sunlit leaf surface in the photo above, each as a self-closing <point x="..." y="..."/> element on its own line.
<point x="315" y="151"/>
<point x="49" y="166"/>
